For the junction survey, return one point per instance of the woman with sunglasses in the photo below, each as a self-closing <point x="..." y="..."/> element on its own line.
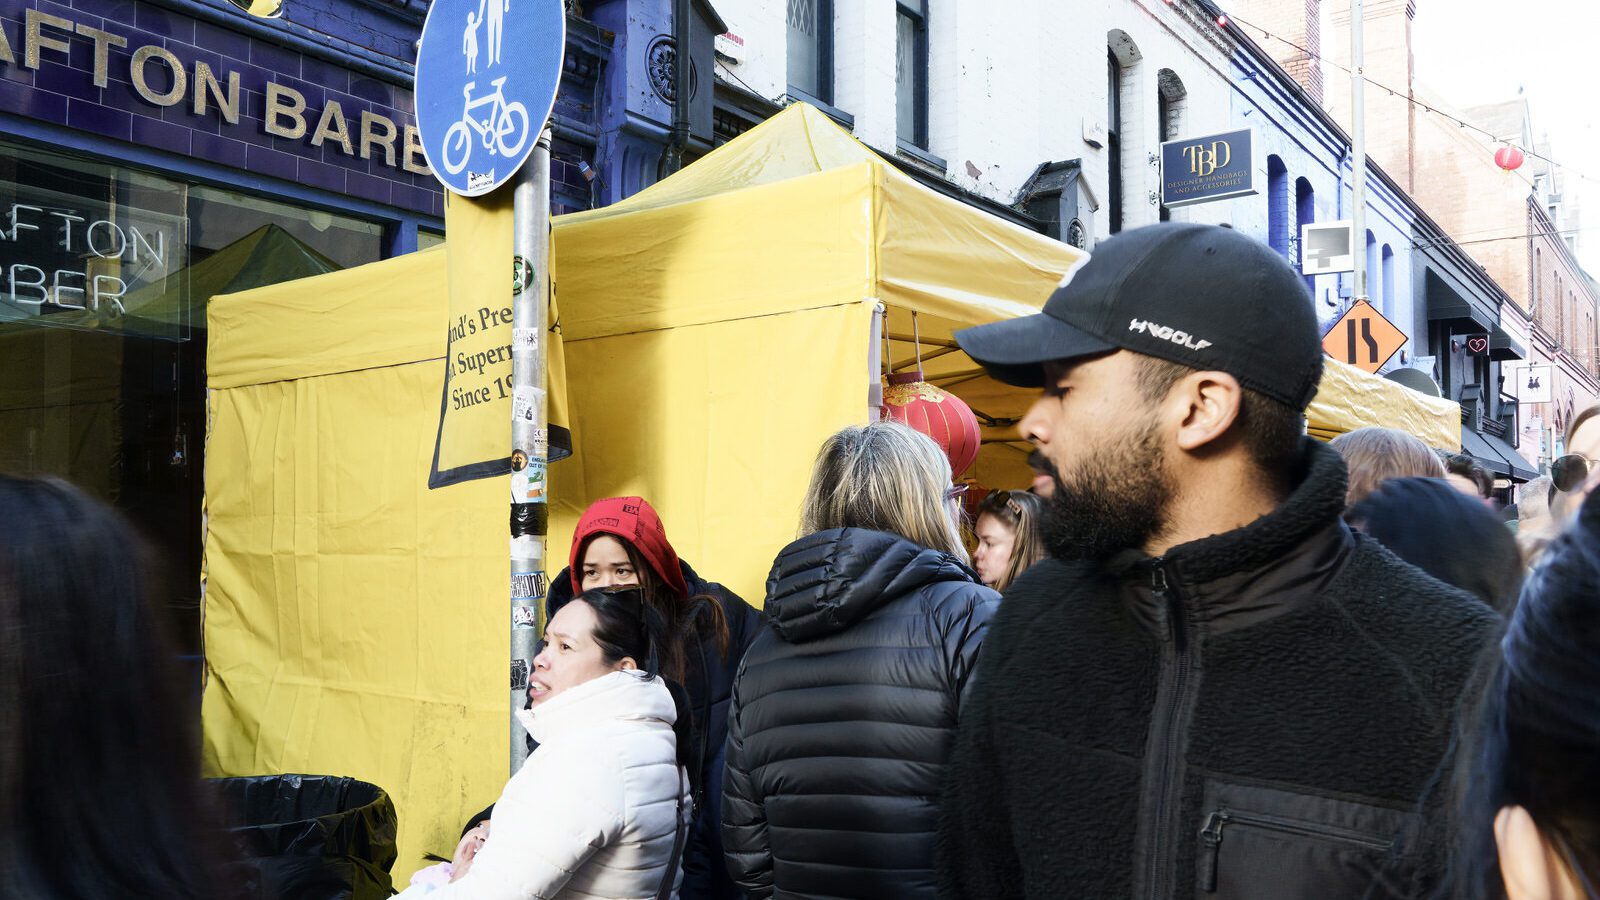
<point x="1574" y="474"/>
<point x="602" y="809"/>
<point x="845" y="708"/>
<point x="1008" y="537"/>
<point x="1531" y="805"/>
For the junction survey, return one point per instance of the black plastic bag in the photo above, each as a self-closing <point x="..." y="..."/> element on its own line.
<point x="310" y="837"/>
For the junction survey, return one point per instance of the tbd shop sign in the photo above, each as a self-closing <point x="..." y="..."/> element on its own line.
<point x="487" y="74"/>
<point x="1213" y="167"/>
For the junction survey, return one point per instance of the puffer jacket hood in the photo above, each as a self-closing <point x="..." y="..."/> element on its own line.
<point x="825" y="582"/>
<point x="843" y="715"/>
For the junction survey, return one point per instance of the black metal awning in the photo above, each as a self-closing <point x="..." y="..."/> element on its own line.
<point x="1503" y="346"/>
<point x="1521" y="469"/>
<point x="1446" y="304"/>
<point x="1496" y="455"/>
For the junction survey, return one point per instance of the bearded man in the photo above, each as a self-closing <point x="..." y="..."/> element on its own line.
<point x="1213" y="688"/>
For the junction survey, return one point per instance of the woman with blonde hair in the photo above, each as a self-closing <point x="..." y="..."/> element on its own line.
<point x="845" y="709"/>
<point x="1374" y="455"/>
<point x="1009" y="542"/>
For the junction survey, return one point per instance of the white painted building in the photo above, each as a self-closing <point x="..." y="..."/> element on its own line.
<point x="985" y="93"/>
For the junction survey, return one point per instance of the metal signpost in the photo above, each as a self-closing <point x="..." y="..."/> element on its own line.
<point x="1358" y="149"/>
<point x="487" y="74"/>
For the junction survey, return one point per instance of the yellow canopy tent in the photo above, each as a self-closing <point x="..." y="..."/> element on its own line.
<point x="717" y="327"/>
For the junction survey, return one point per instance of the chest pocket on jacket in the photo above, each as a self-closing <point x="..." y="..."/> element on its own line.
<point x="1259" y="843"/>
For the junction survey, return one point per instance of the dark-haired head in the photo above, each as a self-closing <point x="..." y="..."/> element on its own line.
<point x="99" y="754"/>
<point x="1531" y="812"/>
<point x="1445" y="533"/>
<point x="1470" y="473"/>
<point x="608" y="561"/>
<point x="617" y="629"/>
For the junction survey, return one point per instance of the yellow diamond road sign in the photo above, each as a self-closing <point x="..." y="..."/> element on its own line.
<point x="1363" y="338"/>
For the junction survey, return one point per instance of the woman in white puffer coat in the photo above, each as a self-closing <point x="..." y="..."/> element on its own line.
<point x="600" y="809"/>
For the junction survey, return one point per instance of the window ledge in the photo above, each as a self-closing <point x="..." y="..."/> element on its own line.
<point x="919" y="155"/>
<point x="845" y="120"/>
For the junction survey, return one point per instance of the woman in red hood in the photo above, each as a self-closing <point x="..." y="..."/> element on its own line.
<point x="621" y="541"/>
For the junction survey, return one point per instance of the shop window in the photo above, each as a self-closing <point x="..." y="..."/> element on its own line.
<point x="810" y="48"/>
<point x="220" y="218"/>
<point x="426" y="238"/>
<point x="911" y="73"/>
<point x="105" y="273"/>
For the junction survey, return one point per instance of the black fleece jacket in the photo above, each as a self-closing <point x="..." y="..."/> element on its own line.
<point x="844" y="714"/>
<point x="1265" y="713"/>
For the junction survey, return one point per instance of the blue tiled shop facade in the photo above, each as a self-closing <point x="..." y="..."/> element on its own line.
<point x="188" y="90"/>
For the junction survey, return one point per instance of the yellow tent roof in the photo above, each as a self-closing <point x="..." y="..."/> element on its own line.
<point x="794" y="214"/>
<point x="1349" y="398"/>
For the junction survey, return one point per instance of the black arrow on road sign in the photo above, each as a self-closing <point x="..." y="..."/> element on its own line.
<point x="1366" y="336"/>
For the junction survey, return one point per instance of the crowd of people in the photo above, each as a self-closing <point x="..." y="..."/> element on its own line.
<point x="1203" y="655"/>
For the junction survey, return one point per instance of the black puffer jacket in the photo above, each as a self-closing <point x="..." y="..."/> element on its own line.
<point x="844" y="713"/>
<point x="1265" y="713"/>
<point x="709" y="683"/>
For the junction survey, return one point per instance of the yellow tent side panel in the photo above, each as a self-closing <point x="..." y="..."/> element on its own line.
<point x="356" y="622"/>
<point x="379" y="314"/>
<point x="354" y="619"/>
<point x="720" y="438"/>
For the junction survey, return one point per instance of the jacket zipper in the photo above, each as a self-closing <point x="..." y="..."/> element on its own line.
<point x="1162" y="849"/>
<point x="1211" y="837"/>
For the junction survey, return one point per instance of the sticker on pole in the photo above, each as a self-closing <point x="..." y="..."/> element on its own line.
<point x="487" y="73"/>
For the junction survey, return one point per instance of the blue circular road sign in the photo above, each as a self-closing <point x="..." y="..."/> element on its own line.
<point x="487" y="73"/>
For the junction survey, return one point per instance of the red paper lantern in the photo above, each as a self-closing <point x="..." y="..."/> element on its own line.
<point x="1508" y="158"/>
<point x="936" y="413"/>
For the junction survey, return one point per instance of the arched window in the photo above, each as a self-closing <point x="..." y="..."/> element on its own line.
<point x="1170" y="95"/>
<point x="1561" y="313"/>
<point x="1114" y="138"/>
<point x="1305" y="212"/>
<point x="1538" y="278"/>
<point x="1388" y="280"/>
<point x="1122" y="56"/>
<point x="1277" y="205"/>
<point x="1373" y="273"/>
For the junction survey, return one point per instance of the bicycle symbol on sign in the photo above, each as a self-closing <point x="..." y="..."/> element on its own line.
<point x="503" y="127"/>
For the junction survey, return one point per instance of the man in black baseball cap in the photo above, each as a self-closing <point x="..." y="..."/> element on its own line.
<point x="1213" y="687"/>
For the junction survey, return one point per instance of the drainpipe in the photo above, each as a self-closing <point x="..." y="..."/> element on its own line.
<point x="672" y="157"/>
